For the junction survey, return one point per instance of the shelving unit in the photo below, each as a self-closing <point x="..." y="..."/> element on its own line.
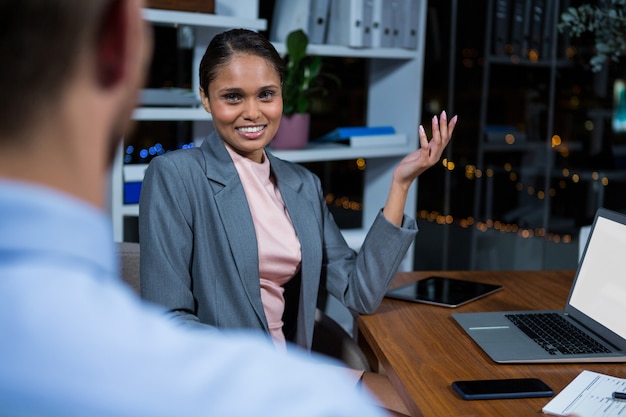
<point x="394" y="98"/>
<point x="533" y="145"/>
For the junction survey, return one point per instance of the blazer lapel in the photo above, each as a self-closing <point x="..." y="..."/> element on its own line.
<point x="307" y="224"/>
<point x="235" y="215"/>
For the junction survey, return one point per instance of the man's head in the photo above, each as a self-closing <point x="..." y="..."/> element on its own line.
<point x="69" y="69"/>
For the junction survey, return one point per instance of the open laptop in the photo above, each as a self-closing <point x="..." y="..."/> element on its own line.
<point x="596" y="306"/>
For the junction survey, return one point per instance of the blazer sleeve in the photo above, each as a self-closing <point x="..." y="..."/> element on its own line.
<point x="360" y="280"/>
<point x="166" y="240"/>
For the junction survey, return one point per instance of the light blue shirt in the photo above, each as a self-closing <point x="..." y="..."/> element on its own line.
<point x="76" y="341"/>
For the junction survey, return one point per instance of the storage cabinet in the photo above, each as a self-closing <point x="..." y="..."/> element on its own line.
<point x="517" y="150"/>
<point x="526" y="144"/>
<point x="394" y="98"/>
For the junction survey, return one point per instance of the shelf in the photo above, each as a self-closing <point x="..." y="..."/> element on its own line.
<point x="525" y="62"/>
<point x="175" y="18"/>
<point x="171" y="113"/>
<point x="346" y="51"/>
<point x="335" y="152"/>
<point x="312" y="153"/>
<point x="130" y="210"/>
<point x="134" y="172"/>
<point x="162" y="97"/>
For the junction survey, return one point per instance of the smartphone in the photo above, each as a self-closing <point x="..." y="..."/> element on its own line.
<point x="488" y="389"/>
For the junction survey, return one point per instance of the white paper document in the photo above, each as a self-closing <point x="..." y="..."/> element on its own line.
<point x="590" y="394"/>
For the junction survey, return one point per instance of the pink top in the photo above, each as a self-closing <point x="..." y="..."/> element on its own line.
<point x="278" y="244"/>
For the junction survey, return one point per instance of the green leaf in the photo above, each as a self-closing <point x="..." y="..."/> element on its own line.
<point x="303" y="75"/>
<point x="297" y="42"/>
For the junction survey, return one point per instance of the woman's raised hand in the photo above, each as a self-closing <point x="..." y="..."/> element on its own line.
<point x="429" y="152"/>
<point x="415" y="163"/>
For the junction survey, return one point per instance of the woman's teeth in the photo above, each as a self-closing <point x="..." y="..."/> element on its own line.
<point x="252" y="129"/>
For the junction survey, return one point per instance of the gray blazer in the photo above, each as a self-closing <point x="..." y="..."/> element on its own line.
<point x="199" y="251"/>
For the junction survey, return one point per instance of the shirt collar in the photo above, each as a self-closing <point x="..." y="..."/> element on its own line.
<point x="39" y="219"/>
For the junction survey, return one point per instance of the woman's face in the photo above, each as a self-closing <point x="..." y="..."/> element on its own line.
<point x="245" y="100"/>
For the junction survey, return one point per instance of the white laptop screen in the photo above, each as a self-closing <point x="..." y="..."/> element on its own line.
<point x="600" y="289"/>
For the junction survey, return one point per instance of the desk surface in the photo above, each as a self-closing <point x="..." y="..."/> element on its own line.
<point x="423" y="350"/>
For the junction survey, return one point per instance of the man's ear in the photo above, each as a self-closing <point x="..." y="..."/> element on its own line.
<point x="206" y="103"/>
<point x="112" y="44"/>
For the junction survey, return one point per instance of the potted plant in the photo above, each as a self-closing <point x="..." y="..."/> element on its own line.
<point x="303" y="79"/>
<point x="605" y="20"/>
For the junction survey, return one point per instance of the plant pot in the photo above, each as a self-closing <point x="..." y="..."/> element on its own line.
<point x="293" y="132"/>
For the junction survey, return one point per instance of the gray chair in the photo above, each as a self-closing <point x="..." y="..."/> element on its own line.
<point x="128" y="254"/>
<point x="329" y="337"/>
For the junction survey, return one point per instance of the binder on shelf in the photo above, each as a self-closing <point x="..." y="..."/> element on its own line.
<point x="376" y="140"/>
<point x="407" y="18"/>
<point x="364" y="136"/>
<point x="548" y="30"/>
<point x="346" y="132"/>
<point x="376" y="24"/>
<point x="528" y="7"/>
<point x="368" y="21"/>
<point x="395" y="7"/>
<point x="382" y="24"/>
<point x="345" y="25"/>
<point x="133" y="177"/>
<point x="318" y="21"/>
<point x="288" y="16"/>
<point x="517" y="26"/>
<point x="536" y="26"/>
<point x="501" y="24"/>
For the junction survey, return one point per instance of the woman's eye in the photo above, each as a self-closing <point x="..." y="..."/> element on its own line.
<point x="231" y="97"/>
<point x="266" y="95"/>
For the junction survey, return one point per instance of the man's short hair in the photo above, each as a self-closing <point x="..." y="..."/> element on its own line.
<point x="40" y="42"/>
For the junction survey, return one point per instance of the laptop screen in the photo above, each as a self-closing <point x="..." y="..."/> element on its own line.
<point x="600" y="288"/>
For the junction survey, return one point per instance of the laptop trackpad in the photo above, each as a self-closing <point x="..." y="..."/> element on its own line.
<point x="499" y="338"/>
<point x="505" y="343"/>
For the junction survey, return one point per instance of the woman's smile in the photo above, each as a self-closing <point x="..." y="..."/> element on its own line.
<point x="251" y="132"/>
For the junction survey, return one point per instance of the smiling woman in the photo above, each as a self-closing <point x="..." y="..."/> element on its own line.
<point x="234" y="237"/>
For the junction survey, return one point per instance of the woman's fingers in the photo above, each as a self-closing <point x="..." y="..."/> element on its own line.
<point x="443" y="126"/>
<point x="423" y="137"/>
<point x="442" y="132"/>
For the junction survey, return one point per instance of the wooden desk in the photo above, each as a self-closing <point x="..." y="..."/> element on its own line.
<point x="423" y="350"/>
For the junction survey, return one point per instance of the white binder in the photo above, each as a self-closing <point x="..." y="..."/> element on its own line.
<point x="318" y="21"/>
<point x="345" y="26"/>
<point x="368" y="21"/>
<point x="289" y="15"/>
<point x="377" y="23"/>
<point x="407" y="18"/>
<point x="388" y="10"/>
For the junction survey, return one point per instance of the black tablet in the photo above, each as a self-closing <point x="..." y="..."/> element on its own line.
<point x="443" y="291"/>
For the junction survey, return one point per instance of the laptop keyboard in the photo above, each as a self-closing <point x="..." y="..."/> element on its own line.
<point x="555" y="334"/>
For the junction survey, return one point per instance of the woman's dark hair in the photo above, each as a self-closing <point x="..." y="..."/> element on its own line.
<point x="236" y="41"/>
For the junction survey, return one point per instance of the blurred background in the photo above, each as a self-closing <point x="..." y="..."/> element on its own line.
<point x="540" y="144"/>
